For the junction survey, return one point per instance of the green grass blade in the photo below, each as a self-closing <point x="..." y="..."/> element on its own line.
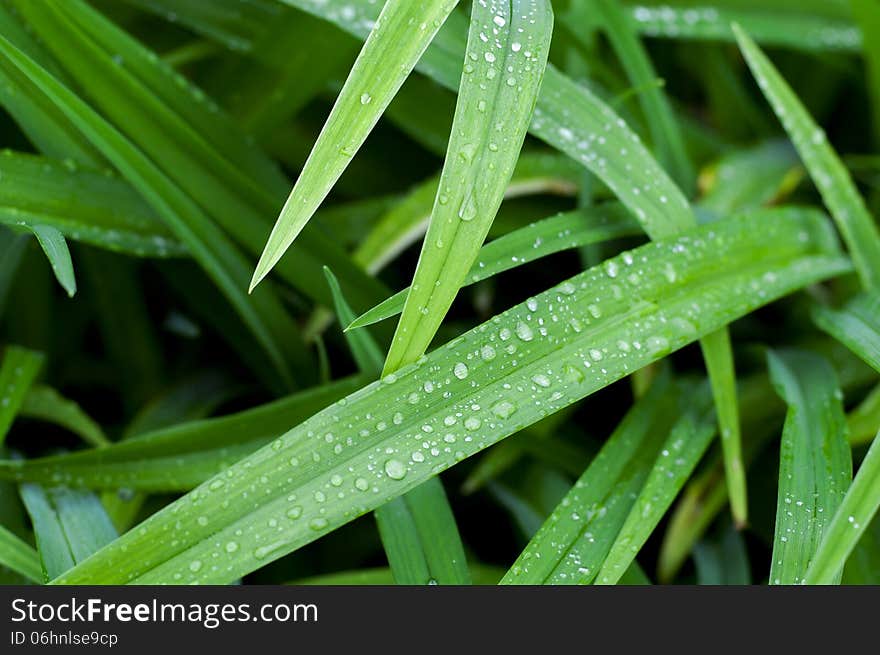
<point x="421" y="538"/>
<point x="832" y="179"/>
<point x="46" y="404"/>
<point x="508" y="45"/>
<point x="189" y="139"/>
<point x="815" y="461"/>
<point x="856" y="325"/>
<point x="363" y="348"/>
<point x="687" y="442"/>
<point x="609" y="323"/>
<point x="863" y="565"/>
<point x="17" y="373"/>
<point x="711" y="22"/>
<point x="852" y="518"/>
<point x="264" y="316"/>
<point x="55" y="248"/>
<point x="180" y="456"/>
<point x="68" y="525"/>
<point x="19" y="556"/>
<point x="408" y="220"/>
<point x="389" y="55"/>
<point x="12" y="250"/>
<point x="562" y="232"/>
<point x="83" y="204"/>
<point x="718" y="354"/>
<point x="572" y="543"/>
<point x="666" y="134"/>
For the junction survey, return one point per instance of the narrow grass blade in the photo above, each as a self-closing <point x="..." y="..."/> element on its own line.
<point x="180" y="456"/>
<point x="421" y="538"/>
<point x="832" y="179"/>
<point x="84" y="204"/>
<point x="481" y="574"/>
<point x="407" y="221"/>
<point x="852" y="518"/>
<point x="397" y="40"/>
<point x="562" y="232"/>
<point x="718" y="354"/>
<point x="17" y="373"/>
<point x="805" y="30"/>
<point x="856" y="325"/>
<point x="264" y="316"/>
<point x="863" y="565"/>
<point x="363" y="348"/>
<point x="12" y="249"/>
<point x="19" y="556"/>
<point x="815" y="462"/>
<point x="518" y="368"/>
<point x="684" y="447"/>
<point x="723" y="561"/>
<point x="197" y="147"/>
<point x="55" y="248"/>
<point x="571" y="545"/>
<point x="46" y="404"/>
<point x="666" y="134"/>
<point x="508" y="45"/>
<point x="68" y="525"/>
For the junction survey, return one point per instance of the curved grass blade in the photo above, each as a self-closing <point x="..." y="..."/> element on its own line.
<point x="723" y="561"/>
<point x="397" y="40"/>
<point x="363" y="348"/>
<point x="83" y="204"/>
<point x="685" y="446"/>
<point x="19" y="556"/>
<point x="711" y="22"/>
<point x="407" y="221"/>
<point x="562" y="232"/>
<point x="863" y="565"/>
<point x="666" y="134"/>
<point x="815" y="462"/>
<point x="55" y="248"/>
<point x="852" y="518"/>
<point x="867" y="16"/>
<point x="856" y="325"/>
<point x="17" y="373"/>
<point x="181" y="456"/>
<point x="718" y="354"/>
<point x="263" y="315"/>
<point x="46" y="404"/>
<point x="507" y="50"/>
<point x="68" y="526"/>
<point x="831" y="177"/>
<point x="504" y="375"/>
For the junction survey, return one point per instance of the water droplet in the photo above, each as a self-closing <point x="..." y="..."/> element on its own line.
<point x="361" y="484"/>
<point x="395" y="469"/>
<point x="366" y="98"/>
<point x="460" y="370"/>
<point x="468" y="209"/>
<point x="503" y="409"/>
<point x="541" y="380"/>
<point x="524" y="332"/>
<point x="294" y="512"/>
<point x="195" y="565"/>
<point x="487" y="353"/>
<point x="231" y="546"/>
<point x="472" y="423"/>
<point x="318" y="523"/>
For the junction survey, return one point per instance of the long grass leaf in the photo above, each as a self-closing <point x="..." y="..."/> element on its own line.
<point x="363" y="348"/>
<point x="397" y="39"/>
<point x="17" y="373"/>
<point x="852" y="518"/>
<point x="55" y="248"/>
<point x="562" y="232"/>
<point x="831" y="177"/>
<point x="46" y="404"/>
<point x="394" y="434"/>
<point x="815" y="463"/>
<point x="684" y="447"/>
<point x="69" y="526"/>
<point x="508" y="45"/>
<point x="84" y="204"/>
<point x="19" y="556"/>
<point x="264" y="316"/>
<point x="856" y="325"/>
